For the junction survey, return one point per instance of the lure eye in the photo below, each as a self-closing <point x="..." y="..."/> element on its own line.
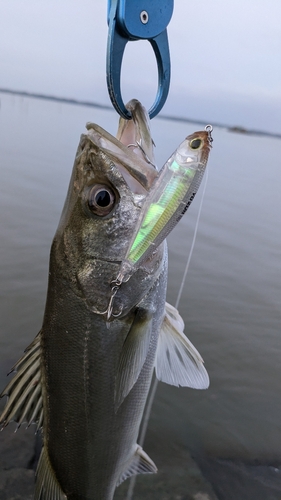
<point x="195" y="143"/>
<point x="101" y="200"/>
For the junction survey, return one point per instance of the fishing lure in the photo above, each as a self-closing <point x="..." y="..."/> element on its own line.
<point x="169" y="197"/>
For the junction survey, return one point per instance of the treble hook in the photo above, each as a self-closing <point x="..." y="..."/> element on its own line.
<point x="141" y="20"/>
<point x="115" y="285"/>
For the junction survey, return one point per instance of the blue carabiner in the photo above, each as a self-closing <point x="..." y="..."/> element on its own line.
<point x="130" y="20"/>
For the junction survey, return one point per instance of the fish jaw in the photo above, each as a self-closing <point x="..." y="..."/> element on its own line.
<point x="135" y="133"/>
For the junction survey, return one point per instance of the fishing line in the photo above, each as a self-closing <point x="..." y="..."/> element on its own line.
<point x="193" y="239"/>
<point x="154" y="385"/>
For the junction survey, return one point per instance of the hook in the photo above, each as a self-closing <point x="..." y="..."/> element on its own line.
<point x="209" y="130"/>
<point x="115" y="285"/>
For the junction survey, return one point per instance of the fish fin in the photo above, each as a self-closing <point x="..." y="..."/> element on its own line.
<point x="25" y="390"/>
<point x="177" y="360"/>
<point x="141" y="463"/>
<point x="47" y="486"/>
<point x="133" y="356"/>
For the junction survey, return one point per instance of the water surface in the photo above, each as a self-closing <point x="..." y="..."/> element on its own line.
<point x="231" y="300"/>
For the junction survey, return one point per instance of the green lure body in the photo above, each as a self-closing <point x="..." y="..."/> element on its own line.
<point x="168" y="199"/>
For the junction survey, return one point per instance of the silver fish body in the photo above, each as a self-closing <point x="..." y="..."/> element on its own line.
<point x="90" y="434"/>
<point x="86" y="376"/>
<point x="83" y="425"/>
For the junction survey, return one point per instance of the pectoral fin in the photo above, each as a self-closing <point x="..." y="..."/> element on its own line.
<point x="133" y="356"/>
<point x="177" y="360"/>
<point x="24" y="390"/>
<point x="139" y="464"/>
<point x="47" y="486"/>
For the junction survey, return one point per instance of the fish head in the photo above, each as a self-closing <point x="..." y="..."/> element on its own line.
<point x="110" y="181"/>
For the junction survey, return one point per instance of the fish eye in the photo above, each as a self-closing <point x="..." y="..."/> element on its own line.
<point x="196" y="143"/>
<point x="101" y="199"/>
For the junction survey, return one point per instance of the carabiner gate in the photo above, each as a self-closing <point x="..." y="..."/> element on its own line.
<point x="138" y="20"/>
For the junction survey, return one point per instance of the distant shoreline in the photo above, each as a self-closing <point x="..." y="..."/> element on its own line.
<point x="76" y="102"/>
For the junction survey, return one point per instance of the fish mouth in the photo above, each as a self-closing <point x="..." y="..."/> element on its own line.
<point x="131" y="150"/>
<point x="135" y="133"/>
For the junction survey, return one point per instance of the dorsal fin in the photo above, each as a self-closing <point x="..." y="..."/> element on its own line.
<point x="25" y="390"/>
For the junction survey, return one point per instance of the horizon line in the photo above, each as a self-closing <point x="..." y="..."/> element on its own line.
<point x="77" y="102"/>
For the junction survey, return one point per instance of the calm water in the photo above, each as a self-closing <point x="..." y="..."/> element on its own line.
<point x="231" y="301"/>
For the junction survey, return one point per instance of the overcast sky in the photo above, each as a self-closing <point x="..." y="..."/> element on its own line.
<point x="226" y="57"/>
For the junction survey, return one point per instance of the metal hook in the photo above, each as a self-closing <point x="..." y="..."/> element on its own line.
<point x="142" y="20"/>
<point x="209" y="129"/>
<point x="137" y="144"/>
<point x="115" y="285"/>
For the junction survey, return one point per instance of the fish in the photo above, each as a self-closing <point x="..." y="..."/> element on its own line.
<point x="85" y="378"/>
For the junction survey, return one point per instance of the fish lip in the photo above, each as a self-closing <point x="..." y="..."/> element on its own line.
<point x="136" y="132"/>
<point x="136" y="160"/>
